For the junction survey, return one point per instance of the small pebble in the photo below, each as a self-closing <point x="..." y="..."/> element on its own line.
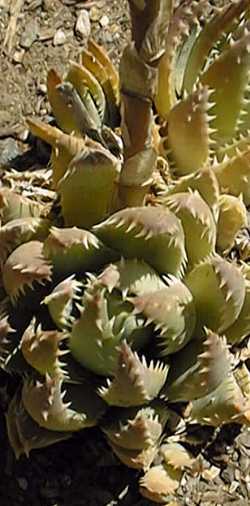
<point x="104" y="21"/>
<point x="235" y="456"/>
<point x="46" y="34"/>
<point x="94" y="14"/>
<point x="9" y="150"/>
<point x="18" y="56"/>
<point x="233" y="487"/>
<point x="237" y="474"/>
<point x="244" y="463"/>
<point x="83" y="26"/>
<point x="244" y="438"/>
<point x="228" y="474"/>
<point x="211" y="473"/>
<point x="123" y="493"/>
<point x="42" y="88"/>
<point x="59" y="38"/>
<point x="29" y="35"/>
<point x="24" y="134"/>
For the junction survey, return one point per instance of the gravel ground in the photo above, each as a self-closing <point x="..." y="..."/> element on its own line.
<point x="82" y="471"/>
<point x="46" y="36"/>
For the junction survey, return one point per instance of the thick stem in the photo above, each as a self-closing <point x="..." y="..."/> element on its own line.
<point x="138" y="76"/>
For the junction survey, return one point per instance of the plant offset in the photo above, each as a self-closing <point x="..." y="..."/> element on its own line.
<point x="125" y="302"/>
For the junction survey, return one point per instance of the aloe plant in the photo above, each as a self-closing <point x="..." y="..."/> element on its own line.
<point x="130" y="298"/>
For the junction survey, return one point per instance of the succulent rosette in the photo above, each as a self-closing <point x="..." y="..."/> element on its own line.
<point x="129" y="297"/>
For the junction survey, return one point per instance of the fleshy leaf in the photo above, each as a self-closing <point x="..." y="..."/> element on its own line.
<point x="232" y="217"/>
<point x="136" y="459"/>
<point x="64" y="147"/>
<point x="172" y="312"/>
<point x="204" y="181"/>
<point x="198" y="224"/>
<point x="105" y="320"/>
<point x="229" y="150"/>
<point x="102" y="56"/>
<point x="74" y="408"/>
<point x="84" y="121"/>
<point x="86" y="84"/>
<point x="159" y="482"/>
<point x="61" y="113"/>
<point x="199" y="368"/>
<point x="219" y="25"/>
<point x="182" y="30"/>
<point x="24" y="267"/>
<point x="228" y="75"/>
<point x="19" y="231"/>
<point x="90" y="59"/>
<point x="90" y="91"/>
<point x="61" y="301"/>
<point x="93" y="171"/>
<point x="153" y="234"/>
<point x="106" y="314"/>
<point x="190" y="152"/>
<point x="136" y="428"/>
<point x="176" y="456"/>
<point x="74" y="250"/>
<point x="41" y="349"/>
<point x="14" y="206"/>
<point x="218" y="288"/>
<point x="136" y="277"/>
<point x="5" y="330"/>
<point x="135" y="383"/>
<point x="226" y="404"/>
<point x="241" y="327"/>
<point x="25" y="434"/>
<point x="69" y="110"/>
<point x="233" y="175"/>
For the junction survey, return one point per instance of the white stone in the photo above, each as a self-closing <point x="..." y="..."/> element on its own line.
<point x="42" y="88"/>
<point x="83" y="25"/>
<point x="59" y="38"/>
<point x="104" y="21"/>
